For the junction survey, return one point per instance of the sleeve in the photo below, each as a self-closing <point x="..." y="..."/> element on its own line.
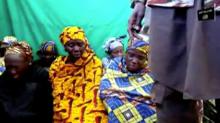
<point x="104" y="85"/>
<point x="134" y="1"/>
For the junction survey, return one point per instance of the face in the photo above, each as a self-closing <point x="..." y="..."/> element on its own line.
<point x="117" y="52"/>
<point x="15" y="64"/>
<point x="48" y="57"/>
<point x="135" y="60"/>
<point x="75" y="48"/>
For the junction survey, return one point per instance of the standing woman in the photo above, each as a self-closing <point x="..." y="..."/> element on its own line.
<point x="75" y="79"/>
<point x="25" y="91"/>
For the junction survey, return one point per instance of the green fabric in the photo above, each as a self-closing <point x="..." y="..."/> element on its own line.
<point x="39" y="20"/>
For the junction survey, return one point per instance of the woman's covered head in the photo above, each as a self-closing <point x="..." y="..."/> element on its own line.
<point x="113" y="47"/>
<point x="136" y="55"/>
<point x="75" y="42"/>
<point x="18" y="57"/>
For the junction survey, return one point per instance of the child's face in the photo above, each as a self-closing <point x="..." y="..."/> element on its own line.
<point x="117" y="52"/>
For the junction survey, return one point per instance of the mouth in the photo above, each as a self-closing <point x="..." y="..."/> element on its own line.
<point x="132" y="66"/>
<point x="76" y="54"/>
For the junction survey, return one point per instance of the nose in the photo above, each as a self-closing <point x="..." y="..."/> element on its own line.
<point x="76" y="48"/>
<point x="133" y="61"/>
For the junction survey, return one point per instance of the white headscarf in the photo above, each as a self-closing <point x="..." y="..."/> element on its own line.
<point x="111" y="44"/>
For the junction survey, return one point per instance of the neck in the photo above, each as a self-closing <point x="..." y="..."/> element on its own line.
<point x="71" y="59"/>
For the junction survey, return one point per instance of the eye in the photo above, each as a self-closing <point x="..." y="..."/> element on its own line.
<point x="70" y="45"/>
<point x="80" y="44"/>
<point x="141" y="57"/>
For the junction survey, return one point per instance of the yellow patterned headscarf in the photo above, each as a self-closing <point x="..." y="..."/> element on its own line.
<point x="72" y="33"/>
<point x="21" y="48"/>
<point x="140" y="45"/>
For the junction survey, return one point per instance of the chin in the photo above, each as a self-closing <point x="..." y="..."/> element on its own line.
<point x="133" y="70"/>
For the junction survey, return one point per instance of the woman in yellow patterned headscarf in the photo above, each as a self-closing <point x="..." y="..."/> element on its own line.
<point x="75" y="80"/>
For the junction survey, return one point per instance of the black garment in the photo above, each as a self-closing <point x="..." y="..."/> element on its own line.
<point x="26" y="100"/>
<point x="172" y="108"/>
<point x="217" y="103"/>
<point x="43" y="64"/>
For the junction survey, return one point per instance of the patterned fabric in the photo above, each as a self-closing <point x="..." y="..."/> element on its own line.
<point x="8" y="41"/>
<point x="76" y="85"/>
<point x="2" y="65"/>
<point x="127" y="96"/>
<point x="72" y="32"/>
<point x="140" y="45"/>
<point x="178" y="3"/>
<point x="22" y="48"/>
<point x="106" y="61"/>
<point x="48" y="47"/>
<point x="171" y="3"/>
<point x="75" y="89"/>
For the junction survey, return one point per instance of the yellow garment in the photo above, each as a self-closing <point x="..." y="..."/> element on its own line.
<point x="76" y="85"/>
<point x="72" y="32"/>
<point x="75" y="92"/>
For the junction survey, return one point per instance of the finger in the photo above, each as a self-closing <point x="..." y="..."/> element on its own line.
<point x="130" y="25"/>
<point x="138" y="21"/>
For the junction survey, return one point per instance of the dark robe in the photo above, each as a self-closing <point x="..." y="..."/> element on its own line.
<point x="26" y="100"/>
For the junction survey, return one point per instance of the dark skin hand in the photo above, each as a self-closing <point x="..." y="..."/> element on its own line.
<point x="134" y="23"/>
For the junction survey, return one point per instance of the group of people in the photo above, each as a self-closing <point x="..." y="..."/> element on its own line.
<point x="79" y="87"/>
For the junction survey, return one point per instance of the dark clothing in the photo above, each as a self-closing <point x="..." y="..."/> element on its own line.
<point x="43" y="64"/>
<point x="217" y="103"/>
<point x="26" y="100"/>
<point x="172" y="108"/>
<point x="184" y="51"/>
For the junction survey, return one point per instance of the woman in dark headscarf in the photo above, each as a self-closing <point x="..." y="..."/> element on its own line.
<point x="126" y="86"/>
<point x="47" y="54"/>
<point x="25" y="92"/>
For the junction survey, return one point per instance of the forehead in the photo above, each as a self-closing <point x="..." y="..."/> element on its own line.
<point x="75" y="41"/>
<point x="136" y="52"/>
<point x="14" y="57"/>
<point x="118" y="48"/>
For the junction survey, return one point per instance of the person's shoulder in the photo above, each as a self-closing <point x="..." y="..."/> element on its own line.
<point x="39" y="72"/>
<point x="97" y="60"/>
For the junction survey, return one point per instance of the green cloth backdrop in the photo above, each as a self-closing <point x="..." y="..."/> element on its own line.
<point x="39" y="20"/>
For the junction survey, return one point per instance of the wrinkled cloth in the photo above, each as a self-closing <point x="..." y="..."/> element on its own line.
<point x="127" y="96"/>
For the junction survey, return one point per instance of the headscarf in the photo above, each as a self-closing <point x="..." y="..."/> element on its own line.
<point x="8" y="41"/>
<point x="72" y="33"/>
<point x="21" y="48"/>
<point x="48" y="46"/>
<point x="140" y="45"/>
<point x="111" y="44"/>
<point x="77" y="33"/>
